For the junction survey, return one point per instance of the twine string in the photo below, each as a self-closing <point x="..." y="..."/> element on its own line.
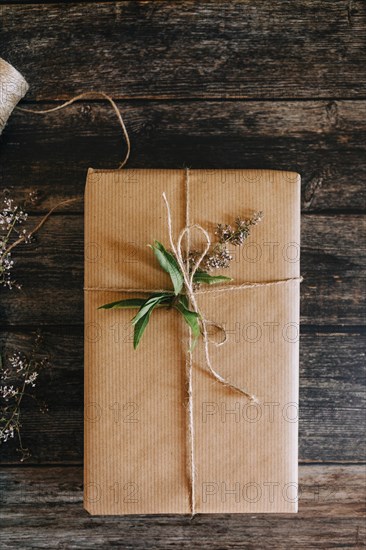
<point x="188" y="274"/>
<point x="241" y="286"/>
<point x="190" y="463"/>
<point x="89" y="95"/>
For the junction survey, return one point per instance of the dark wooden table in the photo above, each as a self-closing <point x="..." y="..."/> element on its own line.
<point x="278" y="84"/>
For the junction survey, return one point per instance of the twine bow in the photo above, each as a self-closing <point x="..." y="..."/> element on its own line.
<point x="188" y="274"/>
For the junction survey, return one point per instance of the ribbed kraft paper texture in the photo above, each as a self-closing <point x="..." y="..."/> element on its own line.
<point x="136" y="434"/>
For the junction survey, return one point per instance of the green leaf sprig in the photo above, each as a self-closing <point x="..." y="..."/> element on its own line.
<point x="175" y="300"/>
<point x="217" y="258"/>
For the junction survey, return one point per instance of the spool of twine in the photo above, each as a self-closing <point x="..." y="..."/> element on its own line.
<point x="13" y="87"/>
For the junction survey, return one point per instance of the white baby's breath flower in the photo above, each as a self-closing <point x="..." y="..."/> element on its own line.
<point x="31" y="379"/>
<point x="18" y="374"/>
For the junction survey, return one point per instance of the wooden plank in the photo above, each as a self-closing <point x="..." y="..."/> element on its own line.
<point x="49" y="503"/>
<point x="245" y="49"/>
<point x="189" y="49"/>
<point x="323" y="141"/>
<point x="332" y="397"/>
<point x="51" y="272"/>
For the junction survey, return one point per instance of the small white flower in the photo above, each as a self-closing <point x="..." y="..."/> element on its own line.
<point x="7" y="392"/>
<point x="31" y="379"/>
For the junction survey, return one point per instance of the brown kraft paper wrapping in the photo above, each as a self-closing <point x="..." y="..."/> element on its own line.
<point x="136" y="449"/>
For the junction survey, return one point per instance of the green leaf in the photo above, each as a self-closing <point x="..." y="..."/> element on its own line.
<point x="141" y="324"/>
<point x="140" y="328"/>
<point x="203" y="277"/>
<point x="149" y="304"/>
<point x="190" y="317"/>
<point x="146" y="307"/>
<point x="124" y="304"/>
<point x="170" y="265"/>
<point x="184" y="300"/>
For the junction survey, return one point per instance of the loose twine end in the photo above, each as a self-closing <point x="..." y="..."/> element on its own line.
<point x="89" y="95"/>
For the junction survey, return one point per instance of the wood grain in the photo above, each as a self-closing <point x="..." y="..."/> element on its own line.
<point x="332" y="397"/>
<point x="323" y="141"/>
<point x="176" y="49"/>
<point x="208" y="84"/>
<point x="49" y="503"/>
<point x="51" y="269"/>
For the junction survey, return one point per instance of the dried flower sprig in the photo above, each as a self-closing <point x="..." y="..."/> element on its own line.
<point x="12" y="218"/>
<point x="236" y="236"/>
<point x="13" y="233"/>
<point x="18" y="375"/>
<point x="218" y="257"/>
<point x="18" y="372"/>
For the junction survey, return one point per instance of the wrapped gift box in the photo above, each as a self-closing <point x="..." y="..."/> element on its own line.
<point x="136" y="451"/>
